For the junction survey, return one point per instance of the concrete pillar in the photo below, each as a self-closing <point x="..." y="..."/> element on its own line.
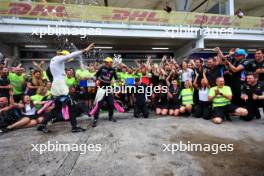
<point x="230" y="7"/>
<point x="16" y="56"/>
<point x="15" y="51"/>
<point x="183" y="5"/>
<point x="11" y="52"/>
<point x="191" y="47"/>
<point x="6" y="50"/>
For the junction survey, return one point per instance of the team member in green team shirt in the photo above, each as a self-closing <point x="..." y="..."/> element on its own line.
<point x="40" y="98"/>
<point x="41" y="68"/>
<point x="91" y="72"/>
<point x="82" y="74"/>
<point x="187" y="97"/>
<point x="138" y="74"/>
<point x="70" y="79"/>
<point x="130" y="73"/>
<point x="221" y="97"/>
<point x="122" y="75"/>
<point x="87" y="93"/>
<point x="17" y="81"/>
<point x="49" y="95"/>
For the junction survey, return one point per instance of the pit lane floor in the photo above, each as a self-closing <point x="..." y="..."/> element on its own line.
<point x="134" y="147"/>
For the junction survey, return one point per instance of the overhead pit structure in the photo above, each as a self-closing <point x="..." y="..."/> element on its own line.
<point x="124" y="29"/>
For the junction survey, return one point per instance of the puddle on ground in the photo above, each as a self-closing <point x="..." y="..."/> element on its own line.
<point x="246" y="159"/>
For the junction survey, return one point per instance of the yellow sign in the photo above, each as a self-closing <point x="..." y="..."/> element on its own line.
<point x="71" y="12"/>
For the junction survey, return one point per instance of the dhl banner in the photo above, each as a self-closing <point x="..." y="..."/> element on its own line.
<point x="72" y="12"/>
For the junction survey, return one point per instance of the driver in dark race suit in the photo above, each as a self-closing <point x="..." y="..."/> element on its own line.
<point x="104" y="76"/>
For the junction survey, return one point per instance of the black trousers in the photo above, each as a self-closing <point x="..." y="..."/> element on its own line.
<point x="110" y="106"/>
<point x="141" y="108"/>
<point x="252" y="107"/>
<point x="203" y="109"/>
<point x="235" y="85"/>
<point x="9" y="117"/>
<point x="56" y="112"/>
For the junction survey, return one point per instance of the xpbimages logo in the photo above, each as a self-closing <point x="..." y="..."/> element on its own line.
<point x="190" y="147"/>
<point x="68" y="31"/>
<point x="58" y="147"/>
<point x="147" y="90"/>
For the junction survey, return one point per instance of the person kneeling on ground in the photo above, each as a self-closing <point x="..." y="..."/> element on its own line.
<point x="221" y="97"/>
<point x="203" y="107"/>
<point x="252" y="94"/>
<point x="161" y="101"/>
<point x="29" y="110"/>
<point x="174" y="97"/>
<point x="140" y="105"/>
<point x="187" y="98"/>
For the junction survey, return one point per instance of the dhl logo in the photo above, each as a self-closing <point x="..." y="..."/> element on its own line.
<point x="60" y="11"/>
<point x="212" y="20"/>
<point x="135" y="15"/>
<point x="36" y="10"/>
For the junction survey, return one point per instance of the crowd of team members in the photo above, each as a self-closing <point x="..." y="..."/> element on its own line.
<point x="213" y="88"/>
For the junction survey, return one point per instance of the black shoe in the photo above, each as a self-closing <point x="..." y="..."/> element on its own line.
<point x="258" y="116"/>
<point x="43" y="128"/>
<point x="112" y="119"/>
<point x="89" y="115"/>
<point x="186" y="114"/>
<point x="5" y="130"/>
<point x="55" y="120"/>
<point x="228" y="118"/>
<point x="94" y="123"/>
<point x="78" y="129"/>
<point x="136" y="116"/>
